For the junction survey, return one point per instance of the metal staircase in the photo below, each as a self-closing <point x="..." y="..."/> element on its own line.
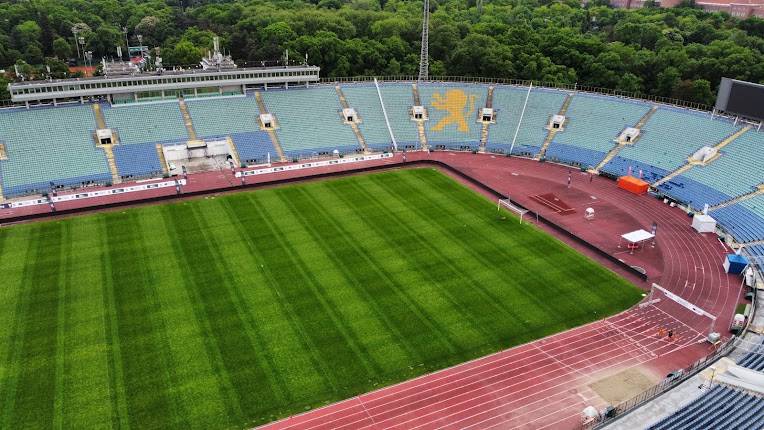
<point x="354" y="124"/>
<point x="271" y="132"/>
<point x="553" y="131"/>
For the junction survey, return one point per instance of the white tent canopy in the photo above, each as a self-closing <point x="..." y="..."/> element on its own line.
<point x="637" y="236"/>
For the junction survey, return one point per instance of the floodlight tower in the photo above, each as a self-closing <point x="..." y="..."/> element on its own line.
<point x="424" y="55"/>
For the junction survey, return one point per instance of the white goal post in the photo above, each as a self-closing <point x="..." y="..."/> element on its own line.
<point x="507" y="204"/>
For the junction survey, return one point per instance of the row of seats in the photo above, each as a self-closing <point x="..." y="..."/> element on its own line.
<point x="310" y="121"/>
<point x="508" y="104"/>
<point x="365" y="100"/>
<point x="146" y="122"/>
<point x="671" y="136"/>
<point x="453" y="112"/>
<point x="49" y="148"/>
<point x="737" y="170"/>
<point x="140" y="160"/>
<point x="743" y="220"/>
<point x="720" y="408"/>
<point x="593" y="124"/>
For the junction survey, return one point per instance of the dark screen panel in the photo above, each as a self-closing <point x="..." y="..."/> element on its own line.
<point x="746" y="100"/>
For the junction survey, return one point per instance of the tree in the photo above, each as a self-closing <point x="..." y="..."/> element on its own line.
<point x="667" y="81"/>
<point x="183" y="53"/>
<point x="61" y="48"/>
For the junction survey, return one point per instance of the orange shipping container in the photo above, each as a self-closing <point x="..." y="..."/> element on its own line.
<point x="635" y="185"/>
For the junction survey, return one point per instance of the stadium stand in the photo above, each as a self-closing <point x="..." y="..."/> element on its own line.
<point x="45" y="145"/>
<point x="147" y="122"/>
<point x="508" y="103"/>
<point x="254" y="147"/>
<point x="310" y="121"/>
<point x="737" y="171"/>
<point x="137" y="161"/>
<point x="222" y="116"/>
<point x="365" y="100"/>
<point x="667" y="140"/>
<point x="398" y="100"/>
<point x="720" y="408"/>
<point x="452" y="111"/>
<point x="744" y="220"/>
<point x="592" y="125"/>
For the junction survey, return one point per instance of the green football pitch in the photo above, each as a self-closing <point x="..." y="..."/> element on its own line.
<point x="232" y="311"/>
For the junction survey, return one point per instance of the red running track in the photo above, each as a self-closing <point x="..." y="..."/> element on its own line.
<point x="545" y="383"/>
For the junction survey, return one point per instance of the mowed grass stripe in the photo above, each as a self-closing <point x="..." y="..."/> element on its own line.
<point x="320" y="295"/>
<point x="458" y="263"/>
<point x="219" y="238"/>
<point x="570" y="267"/>
<point x="31" y="387"/>
<point x="341" y="256"/>
<point x="454" y="234"/>
<point x="288" y="349"/>
<point x="423" y="293"/>
<point x="199" y="384"/>
<point x="343" y="237"/>
<point x="85" y="381"/>
<point x="227" y="312"/>
<point x="435" y="272"/>
<point x="12" y="266"/>
<point x="240" y="366"/>
<point x="147" y="379"/>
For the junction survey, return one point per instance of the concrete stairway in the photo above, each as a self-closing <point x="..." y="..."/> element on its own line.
<point x="646" y="117"/>
<point x="98" y="114"/>
<point x="486" y="126"/>
<point x="691" y="163"/>
<point x="233" y="151"/>
<point x="162" y="160"/>
<point x="619" y="146"/>
<point x="271" y="132"/>
<point x="420" y="123"/>
<point x="187" y="120"/>
<point x="732" y="137"/>
<point x="354" y="124"/>
<point x="553" y="131"/>
<point x="109" y="151"/>
<point x="738" y="199"/>
<point x="754" y="243"/>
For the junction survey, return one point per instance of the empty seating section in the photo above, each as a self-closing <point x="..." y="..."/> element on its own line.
<point x="754" y="359"/>
<point x="254" y="146"/>
<point x="399" y="98"/>
<point x="365" y="100"/>
<point x="670" y="137"/>
<point x="737" y="171"/>
<point x="47" y="145"/>
<point x="693" y="193"/>
<point x="593" y="124"/>
<point x="508" y="103"/>
<point x="147" y="122"/>
<point x="223" y="116"/>
<point x="137" y="161"/>
<point x="720" y="408"/>
<point x="453" y="111"/>
<point x="744" y="220"/>
<point x="310" y="121"/>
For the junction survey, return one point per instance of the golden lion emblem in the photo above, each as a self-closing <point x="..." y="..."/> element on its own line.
<point x="458" y="107"/>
